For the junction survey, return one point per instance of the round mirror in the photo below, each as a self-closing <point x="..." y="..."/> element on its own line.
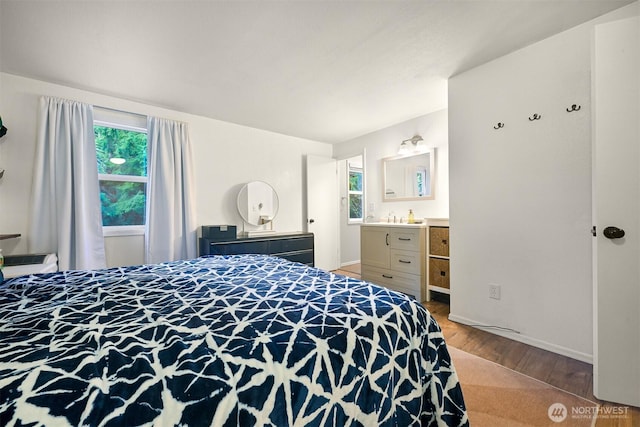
<point x="257" y="203"/>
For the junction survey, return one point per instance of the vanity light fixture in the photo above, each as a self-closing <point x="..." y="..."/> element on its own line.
<point x="412" y="145"/>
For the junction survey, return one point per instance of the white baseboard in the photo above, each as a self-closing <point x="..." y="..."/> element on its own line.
<point x="564" y="351"/>
<point x="345" y="264"/>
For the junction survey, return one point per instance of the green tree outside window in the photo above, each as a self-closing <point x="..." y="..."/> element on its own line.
<point x="355" y="194"/>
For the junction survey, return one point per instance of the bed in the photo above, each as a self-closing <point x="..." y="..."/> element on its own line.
<point x="221" y="340"/>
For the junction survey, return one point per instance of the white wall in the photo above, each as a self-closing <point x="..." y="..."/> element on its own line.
<point x="226" y="156"/>
<point x="385" y="143"/>
<point x="521" y="196"/>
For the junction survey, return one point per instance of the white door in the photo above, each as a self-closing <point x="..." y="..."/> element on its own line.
<point x="323" y="209"/>
<point x="616" y="103"/>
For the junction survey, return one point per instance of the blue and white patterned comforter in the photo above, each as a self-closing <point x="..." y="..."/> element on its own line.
<point x="223" y="341"/>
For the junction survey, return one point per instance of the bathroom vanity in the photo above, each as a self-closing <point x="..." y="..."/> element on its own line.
<point x="409" y="258"/>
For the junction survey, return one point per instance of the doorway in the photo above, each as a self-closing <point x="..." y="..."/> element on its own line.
<point x="351" y="176"/>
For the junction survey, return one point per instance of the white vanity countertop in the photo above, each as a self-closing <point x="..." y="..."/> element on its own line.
<point x="396" y="224"/>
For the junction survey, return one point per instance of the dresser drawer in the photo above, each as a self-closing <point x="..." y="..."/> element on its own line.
<point x="290" y="245"/>
<point x="238" y="247"/>
<point x="402" y="282"/>
<point x="439" y="272"/>
<point x="304" y="257"/>
<point x="405" y="239"/>
<point x="405" y="261"/>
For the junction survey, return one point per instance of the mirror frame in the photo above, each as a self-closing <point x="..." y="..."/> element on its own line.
<point x="432" y="176"/>
<point x="244" y="210"/>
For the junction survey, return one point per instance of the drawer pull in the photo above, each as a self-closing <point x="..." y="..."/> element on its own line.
<point x="404" y="262"/>
<point x="444" y="241"/>
<point x="443" y="273"/>
<point x="404" y="239"/>
<point x="387" y="277"/>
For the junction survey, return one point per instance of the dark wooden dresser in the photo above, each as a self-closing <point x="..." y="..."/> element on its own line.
<point x="297" y="247"/>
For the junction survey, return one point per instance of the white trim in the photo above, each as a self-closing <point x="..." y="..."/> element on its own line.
<point x="123" y="230"/>
<point x="122" y="178"/>
<point x="578" y="355"/>
<point x="104" y="124"/>
<point x="348" y="263"/>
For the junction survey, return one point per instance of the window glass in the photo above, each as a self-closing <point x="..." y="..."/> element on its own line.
<point x="355" y="206"/>
<point x="355" y="180"/>
<point x="120" y="151"/>
<point x="123" y="203"/>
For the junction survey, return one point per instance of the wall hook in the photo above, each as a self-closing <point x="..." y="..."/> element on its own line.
<point x="499" y="126"/>
<point x="573" y="108"/>
<point x="536" y="116"/>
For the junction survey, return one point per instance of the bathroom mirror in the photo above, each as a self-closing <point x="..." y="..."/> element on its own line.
<point x="257" y="203"/>
<point x="409" y="177"/>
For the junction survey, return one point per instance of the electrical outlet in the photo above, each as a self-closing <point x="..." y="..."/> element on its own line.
<point x="494" y="291"/>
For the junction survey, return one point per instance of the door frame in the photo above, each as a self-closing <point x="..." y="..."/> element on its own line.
<point x="344" y="224"/>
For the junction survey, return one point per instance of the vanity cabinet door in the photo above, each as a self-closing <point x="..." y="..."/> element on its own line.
<point x="374" y="246"/>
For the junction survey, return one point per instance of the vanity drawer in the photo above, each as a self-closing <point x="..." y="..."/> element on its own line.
<point x="439" y="241"/>
<point x="439" y="272"/>
<point x="405" y="261"/>
<point x="405" y="239"/>
<point x="402" y="282"/>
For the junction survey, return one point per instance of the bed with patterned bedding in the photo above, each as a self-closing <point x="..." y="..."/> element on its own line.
<point x="220" y="341"/>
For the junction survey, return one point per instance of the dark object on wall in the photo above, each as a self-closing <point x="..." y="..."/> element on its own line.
<point x="219" y="233"/>
<point x="3" y="130"/>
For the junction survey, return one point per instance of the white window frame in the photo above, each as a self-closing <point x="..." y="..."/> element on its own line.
<point x="122" y="230"/>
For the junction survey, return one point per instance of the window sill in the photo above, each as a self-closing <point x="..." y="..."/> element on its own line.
<point x="123" y="230"/>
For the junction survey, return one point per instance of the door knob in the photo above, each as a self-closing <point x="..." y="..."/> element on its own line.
<point x="613" y="233"/>
<point x="311" y="221"/>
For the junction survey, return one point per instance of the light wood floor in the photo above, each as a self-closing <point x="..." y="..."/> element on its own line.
<point x="563" y="372"/>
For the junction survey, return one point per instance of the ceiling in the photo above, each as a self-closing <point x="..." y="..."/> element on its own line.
<point x="327" y="71"/>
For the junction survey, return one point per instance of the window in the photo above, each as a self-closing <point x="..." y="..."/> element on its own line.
<point x="356" y="211"/>
<point x="422" y="187"/>
<point x="121" y="153"/>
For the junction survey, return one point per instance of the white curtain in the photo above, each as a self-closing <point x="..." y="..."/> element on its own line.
<point x="66" y="215"/>
<point x="171" y="229"/>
